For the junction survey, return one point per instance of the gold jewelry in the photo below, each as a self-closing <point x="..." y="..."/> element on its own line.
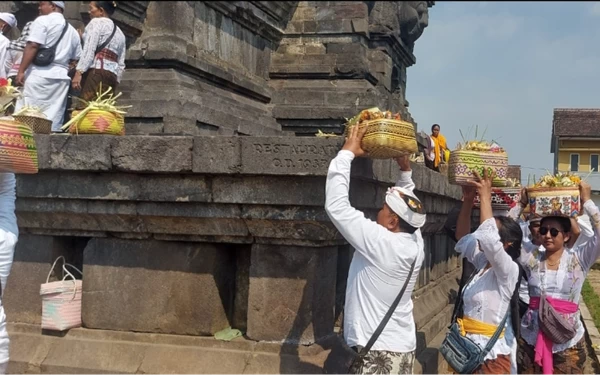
<point x="553" y="264"/>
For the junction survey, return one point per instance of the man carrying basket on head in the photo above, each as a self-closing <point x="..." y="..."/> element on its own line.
<point x="385" y="266"/>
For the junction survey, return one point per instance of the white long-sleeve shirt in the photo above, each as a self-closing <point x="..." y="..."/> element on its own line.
<point x="379" y="268"/>
<point x="487" y="297"/>
<point x="4" y="43"/>
<point x="528" y="247"/>
<point x="96" y="33"/>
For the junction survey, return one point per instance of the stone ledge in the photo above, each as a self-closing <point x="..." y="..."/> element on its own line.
<point x="98" y="351"/>
<point x="250" y="155"/>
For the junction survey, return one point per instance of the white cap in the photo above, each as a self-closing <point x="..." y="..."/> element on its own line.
<point x="406" y="205"/>
<point x="60" y="4"/>
<point x="9" y="18"/>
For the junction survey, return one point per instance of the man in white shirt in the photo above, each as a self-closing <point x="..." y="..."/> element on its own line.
<point x="9" y="233"/>
<point x="7" y="22"/>
<point x="47" y="87"/>
<point x="384" y="253"/>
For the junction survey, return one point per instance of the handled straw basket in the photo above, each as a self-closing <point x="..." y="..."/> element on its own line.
<point x="554" y="201"/>
<point x="463" y="162"/>
<point x="61" y="300"/>
<point x="37" y="124"/>
<point x="387" y="138"/>
<point x="18" y="152"/>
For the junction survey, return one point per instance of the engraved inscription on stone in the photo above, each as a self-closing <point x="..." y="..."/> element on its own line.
<point x="280" y="155"/>
<point x="292" y="156"/>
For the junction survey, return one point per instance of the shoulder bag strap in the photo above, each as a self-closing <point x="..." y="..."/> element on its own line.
<point x="61" y="35"/>
<point x="103" y="45"/>
<point x="496" y="335"/>
<point x="389" y="314"/>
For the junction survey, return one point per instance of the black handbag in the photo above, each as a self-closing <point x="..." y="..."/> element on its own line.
<point x="45" y="56"/>
<point x="359" y="356"/>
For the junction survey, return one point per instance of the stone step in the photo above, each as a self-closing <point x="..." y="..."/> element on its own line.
<point x="430" y="360"/>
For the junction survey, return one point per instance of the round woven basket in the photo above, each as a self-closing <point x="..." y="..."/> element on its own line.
<point x="502" y="198"/>
<point x="554" y="201"/>
<point x="463" y="162"/>
<point x="37" y="124"/>
<point x="18" y="152"/>
<point x="387" y="139"/>
<point x="99" y="122"/>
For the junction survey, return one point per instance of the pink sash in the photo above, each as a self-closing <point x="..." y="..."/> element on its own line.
<point x="543" y="345"/>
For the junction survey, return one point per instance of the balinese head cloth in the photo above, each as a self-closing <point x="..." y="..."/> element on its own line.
<point x="406" y="205"/>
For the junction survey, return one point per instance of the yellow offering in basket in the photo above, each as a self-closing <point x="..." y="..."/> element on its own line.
<point x="387" y="136"/>
<point x="101" y="116"/>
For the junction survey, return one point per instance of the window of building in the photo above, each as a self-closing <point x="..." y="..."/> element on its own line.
<point x="574" y="162"/>
<point x="594" y="162"/>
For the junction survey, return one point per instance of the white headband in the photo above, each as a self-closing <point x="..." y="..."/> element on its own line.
<point x="60" y="4"/>
<point x="408" y="207"/>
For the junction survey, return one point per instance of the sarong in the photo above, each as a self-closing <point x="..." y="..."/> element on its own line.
<point x="383" y="362"/>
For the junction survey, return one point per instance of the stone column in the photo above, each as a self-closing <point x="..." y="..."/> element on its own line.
<point x="292" y="293"/>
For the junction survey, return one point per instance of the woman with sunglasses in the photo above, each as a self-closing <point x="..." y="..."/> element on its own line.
<point x="557" y="274"/>
<point x="490" y="296"/>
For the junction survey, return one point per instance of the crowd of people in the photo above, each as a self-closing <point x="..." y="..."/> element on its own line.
<point x="517" y="309"/>
<point x="53" y="62"/>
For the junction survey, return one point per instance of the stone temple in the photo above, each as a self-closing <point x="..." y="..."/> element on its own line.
<point x="209" y="213"/>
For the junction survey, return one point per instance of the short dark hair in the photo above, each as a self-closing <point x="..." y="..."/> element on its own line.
<point x="434" y="125"/>
<point x="510" y="232"/>
<point x="108" y="6"/>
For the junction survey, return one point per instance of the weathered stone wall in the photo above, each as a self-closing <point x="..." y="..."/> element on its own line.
<point x="189" y="235"/>
<point x="339" y="57"/>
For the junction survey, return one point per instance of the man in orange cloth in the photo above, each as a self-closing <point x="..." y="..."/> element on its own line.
<point x="439" y="148"/>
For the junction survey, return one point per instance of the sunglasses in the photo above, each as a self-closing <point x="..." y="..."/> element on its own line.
<point x="553" y="231"/>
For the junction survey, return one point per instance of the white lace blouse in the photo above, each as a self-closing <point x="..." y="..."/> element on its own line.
<point x="564" y="283"/>
<point x="97" y="32"/>
<point x="487" y="297"/>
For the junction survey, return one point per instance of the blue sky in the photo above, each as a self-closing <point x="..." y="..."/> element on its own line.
<point x="506" y="66"/>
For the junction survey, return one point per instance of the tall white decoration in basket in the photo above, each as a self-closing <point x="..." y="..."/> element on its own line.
<point x="61" y="300"/>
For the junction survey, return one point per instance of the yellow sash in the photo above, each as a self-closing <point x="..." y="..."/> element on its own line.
<point x="469" y="325"/>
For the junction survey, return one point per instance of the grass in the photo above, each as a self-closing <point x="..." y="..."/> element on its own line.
<point x="592" y="301"/>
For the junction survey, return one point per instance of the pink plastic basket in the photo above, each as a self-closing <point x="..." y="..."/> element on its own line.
<point x="61" y="300"/>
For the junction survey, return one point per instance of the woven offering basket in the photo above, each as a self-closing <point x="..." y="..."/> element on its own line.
<point x="387" y="139"/>
<point x="554" y="201"/>
<point x="462" y="162"/>
<point x="502" y="198"/>
<point x="99" y="122"/>
<point x="18" y="152"/>
<point x="37" y="124"/>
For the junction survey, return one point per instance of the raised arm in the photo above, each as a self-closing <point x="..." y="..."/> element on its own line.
<point x="588" y="252"/>
<point x="359" y="231"/>
<point x="487" y="234"/>
<point x="405" y="180"/>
